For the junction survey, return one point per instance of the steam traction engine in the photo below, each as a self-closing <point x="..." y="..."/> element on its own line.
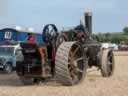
<point x="64" y="56"/>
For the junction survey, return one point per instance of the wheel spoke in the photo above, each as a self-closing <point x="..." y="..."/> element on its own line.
<point x="72" y="74"/>
<point x="70" y="68"/>
<point x="109" y="66"/>
<point x="110" y="60"/>
<point x="109" y="63"/>
<point x="71" y="57"/>
<point x="52" y="30"/>
<point x="79" y="59"/>
<point x="75" y="51"/>
<point x="71" y="54"/>
<point x="47" y="31"/>
<point x="79" y="70"/>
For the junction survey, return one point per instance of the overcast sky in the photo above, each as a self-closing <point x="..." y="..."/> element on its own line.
<point x="108" y="15"/>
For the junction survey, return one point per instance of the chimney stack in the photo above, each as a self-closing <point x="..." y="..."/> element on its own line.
<point x="88" y="22"/>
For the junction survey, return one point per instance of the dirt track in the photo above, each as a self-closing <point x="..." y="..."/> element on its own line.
<point x="93" y="85"/>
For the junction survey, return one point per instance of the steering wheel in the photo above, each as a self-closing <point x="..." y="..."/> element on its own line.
<point x="50" y="33"/>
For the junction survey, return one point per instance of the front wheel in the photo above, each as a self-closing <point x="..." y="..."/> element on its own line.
<point x="107" y="64"/>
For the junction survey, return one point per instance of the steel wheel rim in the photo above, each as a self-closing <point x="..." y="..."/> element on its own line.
<point x="110" y="63"/>
<point x="76" y="64"/>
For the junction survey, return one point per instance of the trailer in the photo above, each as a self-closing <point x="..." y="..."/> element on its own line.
<point x="8" y="34"/>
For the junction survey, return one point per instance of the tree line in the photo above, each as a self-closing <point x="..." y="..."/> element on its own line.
<point x="115" y="37"/>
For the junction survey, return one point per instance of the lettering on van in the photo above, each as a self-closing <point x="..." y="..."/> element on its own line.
<point x="8" y="35"/>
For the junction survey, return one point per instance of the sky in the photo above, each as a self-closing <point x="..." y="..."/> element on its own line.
<point x="108" y="15"/>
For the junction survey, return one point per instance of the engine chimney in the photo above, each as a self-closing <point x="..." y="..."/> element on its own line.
<point x="88" y="22"/>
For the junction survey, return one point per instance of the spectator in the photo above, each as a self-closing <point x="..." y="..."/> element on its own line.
<point x="30" y="37"/>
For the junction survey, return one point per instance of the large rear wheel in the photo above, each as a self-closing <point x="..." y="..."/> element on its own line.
<point x="70" y="63"/>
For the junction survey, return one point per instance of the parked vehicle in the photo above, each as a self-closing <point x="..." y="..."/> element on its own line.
<point x="109" y="45"/>
<point x="123" y="47"/>
<point x="9" y="54"/>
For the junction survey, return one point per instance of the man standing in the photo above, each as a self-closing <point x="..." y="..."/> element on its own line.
<point x="30" y="37"/>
